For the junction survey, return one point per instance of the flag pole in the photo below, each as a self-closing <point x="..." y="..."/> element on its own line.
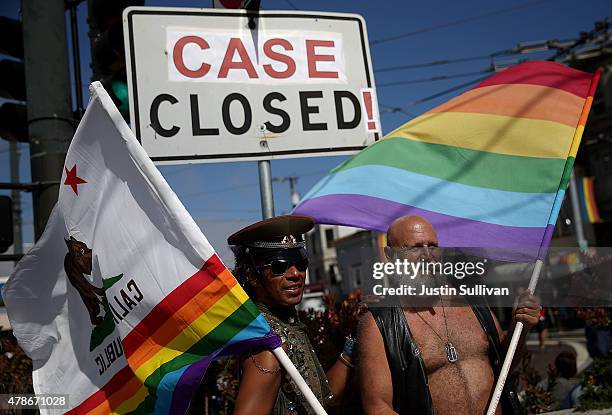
<point x="516" y="335"/>
<point x="312" y="400"/>
<point x="518" y="328"/>
<point x="582" y="243"/>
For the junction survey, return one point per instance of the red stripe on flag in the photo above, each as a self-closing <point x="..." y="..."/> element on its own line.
<point x="172" y="303"/>
<point x="550" y="74"/>
<point x="231" y="4"/>
<point x="113" y="385"/>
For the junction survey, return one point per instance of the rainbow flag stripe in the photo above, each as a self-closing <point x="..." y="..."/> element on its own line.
<point x="588" y="203"/>
<point x="205" y="318"/>
<point x="488" y="168"/>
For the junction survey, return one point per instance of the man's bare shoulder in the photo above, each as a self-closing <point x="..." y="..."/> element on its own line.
<point x="262" y="360"/>
<point x="367" y="330"/>
<point x="367" y="324"/>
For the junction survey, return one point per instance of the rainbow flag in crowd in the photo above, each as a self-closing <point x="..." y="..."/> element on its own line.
<point x="588" y="203"/>
<point x="488" y="169"/>
<point x="122" y="304"/>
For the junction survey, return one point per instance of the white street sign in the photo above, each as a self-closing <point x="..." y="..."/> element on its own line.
<point x="204" y="87"/>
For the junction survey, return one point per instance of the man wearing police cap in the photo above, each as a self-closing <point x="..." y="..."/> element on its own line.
<point x="271" y="263"/>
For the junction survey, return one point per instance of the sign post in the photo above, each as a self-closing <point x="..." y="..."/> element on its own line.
<point x="265" y="189"/>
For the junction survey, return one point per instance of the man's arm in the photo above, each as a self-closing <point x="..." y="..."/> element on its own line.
<point x="527" y="311"/>
<point x="338" y="375"/>
<point x="374" y="373"/>
<point x="261" y="379"/>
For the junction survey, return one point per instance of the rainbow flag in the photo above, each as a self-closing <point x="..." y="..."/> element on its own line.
<point x="588" y="203"/>
<point x="206" y="318"/>
<point x="123" y="303"/>
<point x="488" y="169"/>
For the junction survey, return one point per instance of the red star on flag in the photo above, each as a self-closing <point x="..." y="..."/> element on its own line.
<point x="72" y="179"/>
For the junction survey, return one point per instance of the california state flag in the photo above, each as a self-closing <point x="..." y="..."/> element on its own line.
<point x="123" y="303"/>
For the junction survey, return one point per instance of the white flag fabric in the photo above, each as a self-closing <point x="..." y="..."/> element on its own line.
<point x="123" y="303"/>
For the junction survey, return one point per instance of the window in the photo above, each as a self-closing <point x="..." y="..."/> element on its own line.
<point x="313" y="243"/>
<point x="332" y="274"/>
<point x="329" y="237"/>
<point x="356" y="271"/>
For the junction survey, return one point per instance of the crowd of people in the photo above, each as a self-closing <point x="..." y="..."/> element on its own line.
<point x="442" y="358"/>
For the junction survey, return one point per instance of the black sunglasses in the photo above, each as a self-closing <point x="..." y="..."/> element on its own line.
<point x="280" y="266"/>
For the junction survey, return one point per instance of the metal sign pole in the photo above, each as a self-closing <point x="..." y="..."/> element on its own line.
<point x="265" y="188"/>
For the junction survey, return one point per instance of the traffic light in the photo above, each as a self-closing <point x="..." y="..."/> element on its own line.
<point x="13" y="115"/>
<point x="14" y="122"/>
<point x="107" y="49"/>
<point x="6" y="223"/>
<point x="12" y="80"/>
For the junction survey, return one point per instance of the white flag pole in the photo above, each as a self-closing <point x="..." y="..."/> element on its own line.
<point x="312" y="400"/>
<point x="518" y="330"/>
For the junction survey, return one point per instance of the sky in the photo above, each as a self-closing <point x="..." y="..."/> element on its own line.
<point x="224" y="197"/>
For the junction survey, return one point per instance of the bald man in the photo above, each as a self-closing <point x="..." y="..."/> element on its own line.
<point x="439" y="360"/>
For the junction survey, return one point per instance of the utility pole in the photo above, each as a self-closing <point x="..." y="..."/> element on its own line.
<point x="295" y="196"/>
<point x="16" y="197"/>
<point x="50" y="118"/>
<point x="76" y="56"/>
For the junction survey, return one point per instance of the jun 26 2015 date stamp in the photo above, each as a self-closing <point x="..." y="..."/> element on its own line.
<point x="26" y="401"/>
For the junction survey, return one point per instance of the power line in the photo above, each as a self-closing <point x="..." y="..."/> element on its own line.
<point x="447" y="91"/>
<point x="456" y="22"/>
<point x="521" y="48"/>
<point x="239" y="187"/>
<point x="563" y="48"/>
<point x="585" y="38"/>
<point x="441" y="62"/>
<point x="436" y="78"/>
<point x="394" y="110"/>
<point x="225" y="189"/>
<point x="314" y="173"/>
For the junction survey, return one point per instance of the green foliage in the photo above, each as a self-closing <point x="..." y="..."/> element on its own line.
<point x="536" y="400"/>
<point x="15" y="369"/>
<point x="328" y="329"/>
<point x="597" y="384"/>
<point x="600" y="317"/>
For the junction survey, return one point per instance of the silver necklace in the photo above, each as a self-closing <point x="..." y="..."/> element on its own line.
<point x="451" y="353"/>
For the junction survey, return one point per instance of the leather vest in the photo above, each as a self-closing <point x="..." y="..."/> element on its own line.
<point x="409" y="377"/>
